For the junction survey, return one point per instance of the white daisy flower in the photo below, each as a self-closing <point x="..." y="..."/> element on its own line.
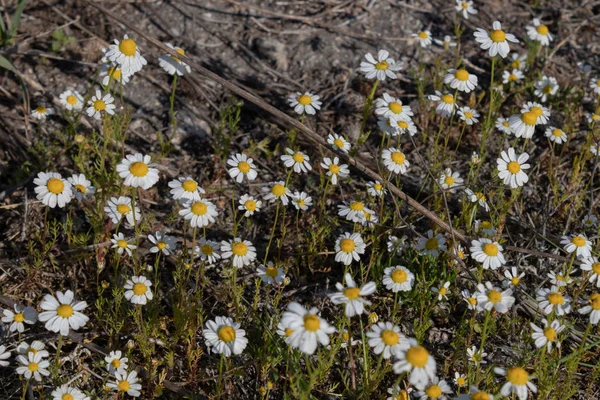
<point x="394" y="160"/>
<point x="592" y="264"/>
<point x="348" y="247"/>
<point x="460" y="380"/>
<point x="475" y="159"/>
<point x="121" y="244"/>
<point x="539" y="32"/>
<point x="249" y="205"/>
<point x="398" y="279"/>
<point x="111" y="72"/>
<point x="173" y="65"/>
<point x="416" y="360"/>
<point x="552" y="300"/>
<point x="541" y="112"/>
<point x="548" y="335"/>
<point x="469" y="115"/>
<point x="36" y="347"/>
<point x="559" y="280"/>
<point x="185" y="188"/>
<point x="40" y="113"/>
<point x="589" y="221"/>
<point x="496" y="42"/>
<point x="449" y="180"/>
<point x="137" y="290"/>
<point x="334" y="169"/>
<point x="33" y="366"/>
<point x="470" y="299"/>
<point x="66" y="392"/>
<point x="200" y="213"/>
<point x="99" y="105"/>
<point x="511" y="166"/>
<point x="115" y="362"/>
<point x="446" y="43"/>
<point x="381" y="68"/>
<point x="476" y="356"/>
<point x="338" y="142"/>
<point x="446" y="103"/>
<point x="578" y="244"/>
<point x="435" y="389"/>
<point x="83" y="187"/>
<point x="423" y="38"/>
<point x="376" y="189"/>
<point x="369" y="218"/>
<point x="354" y="211"/>
<point x="513" y="277"/>
<point x="241" y="251"/>
<point x="503" y="125"/>
<point x="62" y="313"/>
<point x="4" y="355"/>
<point x="306" y="102"/>
<point x="127" y="54"/>
<point x="517" y="382"/>
<point x="514" y="76"/>
<point x="297" y="160"/>
<point x="431" y="244"/>
<point x="392" y="107"/>
<point x="592" y="118"/>
<point x="519" y="61"/>
<point x="52" y="189"/>
<point x="486" y="227"/>
<point x="19" y="317"/>
<point x="461" y="80"/>
<point x="385" y="338"/>
<point x="71" y="100"/>
<point x="162" y="243"/>
<point x="301" y="200"/>
<point x="488" y="253"/>
<point x="547" y="86"/>
<point x="352" y="296"/>
<point x="271" y="273"/>
<point x="523" y="124"/>
<point x="442" y="291"/>
<point x="397" y="245"/>
<point x="224" y="336"/>
<point x="593" y="308"/>
<point x="277" y="191"/>
<point x="117" y="208"/>
<point x="208" y="251"/>
<point x="595" y="85"/>
<point x="241" y="166"/>
<point x="490" y="297"/>
<point x="556" y="135"/>
<point x="137" y="171"/>
<point x="397" y="393"/>
<point x="477" y="197"/>
<point x="465" y="7"/>
<point x="307" y="328"/>
<point x="126" y="383"/>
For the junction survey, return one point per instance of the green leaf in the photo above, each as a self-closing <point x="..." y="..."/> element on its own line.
<point x="16" y="18"/>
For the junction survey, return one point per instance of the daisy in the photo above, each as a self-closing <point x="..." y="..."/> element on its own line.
<point x="423" y="38"/>
<point x="249" y="205"/>
<point x="394" y="160"/>
<point x="117" y="208"/>
<point x="435" y="389"/>
<point x="173" y="65"/>
<point x="595" y="85"/>
<point x="475" y="159"/>
<point x="99" y="105"/>
<point x="523" y="125"/>
<point x="449" y="180"/>
<point x="33" y="366"/>
<point x="539" y="32"/>
<point x="469" y="115"/>
<point x="477" y="197"/>
<point x="416" y="360"/>
<point x="592" y="118"/>
<point x="225" y="337"/>
<point x="241" y="166"/>
<point x="277" y="191"/>
<point x="559" y="280"/>
<point x="296" y="159"/>
<point x="519" y="61"/>
<point x="121" y="244"/>
<point x="486" y="227"/>
<point x="593" y="308"/>
<point x="548" y="335"/>
<point x="446" y="103"/>
<point x="338" y="142"/>
<point x="242" y="252"/>
<point x="488" y="253"/>
<point x="511" y="166"/>
<point x="552" y="300"/>
<point x="396" y="245"/>
<point x="592" y="264"/>
<point x="127" y="54"/>
<point x="306" y="102"/>
<point x="208" y="251"/>
<point x="465" y="7"/>
<point x="545" y="87"/>
<point x="200" y="213"/>
<point x="71" y="100"/>
<point x="496" y="41"/>
<point x="475" y="356"/>
<point x="513" y="277"/>
<point x="392" y="107"/>
<point x="352" y="296"/>
<point x="375" y="189"/>
<point x="471" y="300"/>
<point x="369" y="218"/>
<point x="271" y="273"/>
<point x="556" y="135"/>
<point x="541" y="112"/>
<point x="111" y="72"/>
<point x="461" y="80"/>
<point x="283" y="331"/>
<point x="4" y="355"/>
<point x="126" y="383"/>
<point x="21" y="315"/>
<point x="307" y="327"/>
<point x="381" y="68"/>
<point x="162" y="243"/>
<point x="83" y="187"/>
<point x="301" y="200"/>
<point x="52" y="189"/>
<point x="401" y="126"/>
<point x="348" y="247"/>
<point x="589" y="221"/>
<point x="354" y="211"/>
<point x="398" y="279"/>
<point x="385" y="338"/>
<point x="61" y="313"/>
<point x="397" y="393"/>
<point x="431" y="245"/>
<point x="137" y="290"/>
<point x="514" y="76"/>
<point x="517" y="382"/>
<point x="116" y="363"/>
<point x="137" y="171"/>
<point x="40" y="113"/>
<point x="66" y="392"/>
<point x="36" y="347"/>
<point x="578" y="244"/>
<point x="446" y="43"/>
<point x="442" y="291"/>
<point x="334" y="169"/>
<point x="185" y="188"/>
<point x="490" y="297"/>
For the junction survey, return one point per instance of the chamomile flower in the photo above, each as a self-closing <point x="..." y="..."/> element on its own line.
<point x="559" y="280"/>
<point x="296" y="160"/>
<point x="548" y="335"/>
<point x="41" y="113"/>
<point x="488" y="253"/>
<point x="242" y="252"/>
<point x="19" y="317"/>
<point x="369" y="218"/>
<point x="121" y="244"/>
<point x="475" y="158"/>
<point x="519" y="61"/>
<point x="446" y="43"/>
<point x="392" y="107"/>
<point x="435" y="389"/>
<point x="592" y="264"/>
<point x="301" y="200"/>
<point x="395" y="160"/>
<point x="126" y="383"/>
<point x="547" y="86"/>
<point x="249" y="205"/>
<point x="375" y="189"/>
<point x="511" y="168"/>
<point x="385" y="338"/>
<point x="66" y="392"/>
<point x="396" y="244"/>
<point x="82" y="186"/>
<point x="99" y="105"/>
<point x="517" y="382"/>
<point x="62" y="313"/>
<point x="306" y="102"/>
<point x="593" y="308"/>
<point x="513" y="277"/>
<point x="595" y="85"/>
<point x="553" y="300"/>
<point x="398" y="279"/>
<point x="496" y="42"/>
<point x="469" y="115"/>
<point x="52" y="189"/>
<point x="381" y="68"/>
<point x="185" y="188"/>
<point x="36" y="347"/>
<point x="271" y="273"/>
<point x="137" y="171"/>
<point x="199" y="213"/>
<point x="523" y="124"/>
<point x="486" y="227"/>
<point x="539" y="32"/>
<point x="589" y="221"/>
<point x="4" y="355"/>
<point x="402" y="126"/>
<point x="514" y="76"/>
<point x="33" y="366"/>
<point x="475" y="356"/>
<point x="431" y="244"/>
<point x="397" y="393"/>
<point x="352" y="296"/>
<point x="224" y="336"/>
<point x="117" y="208"/>
<point x="338" y="142"/>
<point x="541" y="112"/>
<point x="442" y="291"/>
<point x="277" y="191"/>
<point x="470" y="299"/>
<point x="449" y="180"/>
<point x="354" y="211"/>
<point x="461" y="80"/>
<point x="477" y="197"/>
<point x="115" y="362"/>
<point x="241" y="166"/>
<point x="162" y="243"/>
<point x="127" y="54"/>
<point x="465" y="7"/>
<point x="446" y="103"/>
<point x="556" y="135"/>
<point x="71" y="100"/>
<point x="173" y="65"/>
<point x="491" y="298"/>
<point x="334" y="169"/>
<point x="476" y="394"/>
<point x="503" y="125"/>
<point x="416" y="360"/>
<point x="112" y="73"/>
<point x="348" y="247"/>
<point x="578" y="244"/>
<point x="208" y="251"/>
<point x="592" y="118"/>
<point x="423" y="38"/>
<point x="307" y="327"/>
<point x="137" y="290"/>
<point x="460" y="379"/>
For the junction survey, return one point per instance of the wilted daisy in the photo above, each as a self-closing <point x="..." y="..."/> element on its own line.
<point x="36" y="347"/>
<point x="396" y="244"/>
<point x="381" y="68"/>
<point x="446" y="104"/>
<point x="4" y="355"/>
<point x="199" y="213"/>
<point x="33" y="366"/>
<point x="556" y="135"/>
<point x="435" y="389"/>
<point x="306" y="102"/>
<point x="301" y="200"/>
<point x="539" y="32"/>
<point x="99" y="105"/>
<point x="511" y="166"/>
<point x="338" y="142"/>
<point x="470" y="299"/>
<point x="578" y="244"/>
<point x="66" y="392"/>
<point x="249" y="205"/>
<point x="496" y="42"/>
<point x="477" y="197"/>
<point x="127" y="54"/>
<point x="461" y="80"/>
<point x="423" y="38"/>
<point x="224" y="336"/>
<point x="593" y="308"/>
<point x="392" y="107"/>
<point x="465" y="7"/>
<point x="559" y="279"/>
<point x="375" y="189"/>
<point x="173" y="65"/>
<point x="547" y="86"/>
<point x="589" y="221"/>
<point x="19" y="317"/>
<point x="83" y="187"/>
<point x="307" y="327"/>
<point x="469" y="115"/>
<point x="394" y="160"/>
<point x="352" y="296"/>
<point x="296" y="160"/>
<point x="40" y="113"/>
<point x="491" y="298"/>
<point x="592" y="264"/>
<point x="241" y="166"/>
<point x="271" y="273"/>
<point x="475" y="159"/>
<point x="348" y="247"/>
<point x="52" y="189"/>
<point x="442" y="291"/>
<point x="398" y="279"/>
<point x="541" y="112"/>
<point x="117" y="208"/>
<point x="488" y="253"/>
<point x="431" y="244"/>
<point x="517" y="382"/>
<point x="552" y="300"/>
<point x="595" y="85"/>
<point x="126" y="383"/>
<point x="241" y="251"/>
<point x="548" y="335"/>
<point x="514" y="76"/>
<point x="71" y="100"/>
<point x="416" y="360"/>
<point x="162" y="243"/>
<point x="185" y="188"/>
<point x="111" y="72"/>
<point x="121" y="244"/>
<point x="137" y="290"/>
<point x="385" y="338"/>
<point x="208" y="251"/>
<point x="62" y="313"/>
<point x="449" y="180"/>
<point x="277" y="191"/>
<point x="115" y="362"/>
<point x="137" y="171"/>
<point x="476" y="356"/>
<point x="513" y="277"/>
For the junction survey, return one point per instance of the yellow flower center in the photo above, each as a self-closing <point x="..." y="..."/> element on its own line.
<point x="19" y="317"/>
<point x="506" y="124"/>
<point x="547" y="89"/>
<point x="207" y="249"/>
<point x="178" y="51"/>
<point x="377" y="186"/>
<point x="529" y="118"/>
<point x="41" y="110"/>
<point x="595" y="117"/>
<point x="389" y="337"/>
<point x="498" y="36"/>
<point x="300" y="202"/>
<point x="537" y="111"/>
<point x="423" y="35"/>
<point x="79" y="138"/>
<point x="80" y="188"/>
<point x="67" y="396"/>
<point x="55" y="185"/>
<point x="250" y="205"/>
<point x="139" y="289"/>
<point x="402" y="124"/>
<point x="122" y="243"/>
<point x="443" y="291"/>
<point x="511" y="78"/>
<point x="239" y="249"/>
<point x="32" y="366"/>
<point x="399" y="276"/>
<point x="398" y="157"/>
<point x="550" y="334"/>
<point x="515" y="281"/>
<point x="480" y="396"/>
<point x="352" y="293"/>
<point x="468" y="115"/>
<point x="449" y="180"/>
<point x="490" y="249"/>
<point x="516" y="64"/>
<point x="417" y="356"/>
<point x="464" y="5"/>
<point x="226" y="334"/>
<point x="513" y="167"/>
<point x="382" y="65"/>
<point x="542" y="29"/>
<point x="271" y="271"/>
<point x="596" y="268"/>
<point x="431" y="244"/>
<point x="189" y="185"/>
<point x="127" y="47"/>
<point x="311" y="322"/>
<point x="278" y="190"/>
<point x="395" y="107"/>
<point x="72" y="100"/>
<point x="433" y="391"/>
<point x="448" y="99"/>
<point x="116" y="363"/>
<point x="339" y="143"/>
<point x="123" y="386"/>
<point x="357" y="206"/>
<point x="557" y="132"/>
<point x="305" y="100"/>
<point x="494" y="296"/>
<point x="578" y="241"/>
<point x="595" y="301"/>
<point x="472" y="301"/>
<point x="403" y="395"/>
<point x="288" y="332"/>
<point x="461" y="381"/>
<point x="347" y="245"/>
<point x="161" y="245"/>
<point x="462" y="75"/>
<point x="199" y="208"/>
<point x="334" y="169"/>
<point x="99" y="105"/>
<point x="517" y="376"/>
<point x="123" y="209"/>
<point x="556" y="298"/>
<point x="114" y="73"/>
<point x="481" y="197"/>
<point x="298" y="157"/>
<point x="244" y="167"/>
<point x="138" y="169"/>
<point x="64" y="311"/>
